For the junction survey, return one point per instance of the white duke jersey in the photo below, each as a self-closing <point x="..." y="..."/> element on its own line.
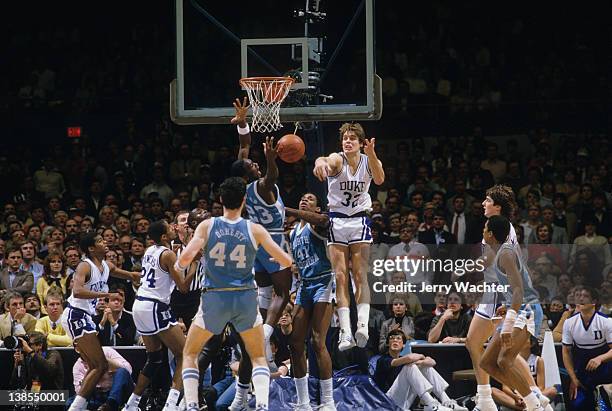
<point x="588" y="340"/>
<point x="155" y="282"/>
<point x="347" y="193"/>
<point x="98" y="282"/>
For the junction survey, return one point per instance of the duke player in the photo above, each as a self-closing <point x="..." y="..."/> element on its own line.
<point x="313" y="309"/>
<point x="499" y="200"/>
<point x="524" y="312"/>
<point x="153" y="317"/>
<point x="90" y="283"/>
<point x="264" y="206"/>
<point x="587" y="350"/>
<point x="348" y="175"/>
<point x="230" y="245"/>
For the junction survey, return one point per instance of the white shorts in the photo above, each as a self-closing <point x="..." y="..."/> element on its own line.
<point x="151" y="316"/>
<point x="488" y="305"/>
<point x="349" y="230"/>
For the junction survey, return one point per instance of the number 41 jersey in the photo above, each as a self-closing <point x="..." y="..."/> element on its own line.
<point x="155" y="282"/>
<point x="347" y="193"/>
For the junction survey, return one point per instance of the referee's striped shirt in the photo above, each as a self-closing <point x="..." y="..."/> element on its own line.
<point x="197" y="278"/>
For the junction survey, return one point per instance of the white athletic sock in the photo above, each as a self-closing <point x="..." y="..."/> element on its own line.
<point x="531" y="401"/>
<point x="242" y="391"/>
<point x="327" y="391"/>
<point x="173" y="396"/>
<point x="427" y="399"/>
<point x="444" y="398"/>
<point x="261" y="382"/>
<point x="268" y="331"/>
<point x="344" y="316"/>
<point x="79" y="403"/>
<point x="363" y="314"/>
<point x="301" y="385"/>
<point x="190" y="385"/>
<point x="484" y="391"/>
<point x="134" y="400"/>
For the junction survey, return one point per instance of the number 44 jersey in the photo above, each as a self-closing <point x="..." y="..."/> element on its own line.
<point x="348" y="192"/>
<point x="155" y="282"/>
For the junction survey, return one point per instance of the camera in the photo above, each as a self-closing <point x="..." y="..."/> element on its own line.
<point x="14" y="343"/>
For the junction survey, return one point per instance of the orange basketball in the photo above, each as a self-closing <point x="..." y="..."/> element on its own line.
<point x="291" y="148"/>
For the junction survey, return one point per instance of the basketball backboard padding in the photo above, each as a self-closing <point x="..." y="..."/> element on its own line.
<point x="217" y="41"/>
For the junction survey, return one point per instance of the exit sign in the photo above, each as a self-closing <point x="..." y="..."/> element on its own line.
<point x="74" y="132"/>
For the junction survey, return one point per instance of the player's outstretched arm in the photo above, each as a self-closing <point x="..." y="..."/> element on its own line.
<point x="197" y="242"/>
<point x="244" y="133"/>
<point x="81" y="276"/>
<point x="168" y="259"/>
<point x="327" y="166"/>
<point x="120" y="273"/>
<point x="262" y="237"/>
<point x="316" y="219"/>
<point x="378" y="174"/>
<point x="271" y="153"/>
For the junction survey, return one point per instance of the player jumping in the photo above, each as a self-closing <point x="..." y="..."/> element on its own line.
<point x="313" y="309"/>
<point x="264" y="206"/>
<point x="230" y="245"/>
<point x="153" y="317"/>
<point x="500" y="357"/>
<point x="90" y="283"/>
<point x="348" y="175"/>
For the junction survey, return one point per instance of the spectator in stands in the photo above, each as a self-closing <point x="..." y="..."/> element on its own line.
<point x="401" y="319"/>
<point x="564" y="218"/>
<point x="29" y="263"/>
<point x="492" y="163"/>
<point x="73" y="257"/>
<point x="531" y="222"/>
<point x="404" y="378"/>
<point x="13" y="277"/>
<point x="35" y="367"/>
<point x="48" y="181"/>
<point x="50" y="325"/>
<point x="113" y="388"/>
<point x="410" y="248"/>
<point x="54" y="276"/>
<point x="586" y="269"/>
<point x="592" y="240"/>
<point x="32" y="305"/>
<point x="453" y="325"/>
<point x="555" y="310"/>
<point x="115" y="325"/>
<point x="158" y="185"/>
<point x="559" y="234"/>
<point x="137" y="250"/>
<point x="15" y="320"/>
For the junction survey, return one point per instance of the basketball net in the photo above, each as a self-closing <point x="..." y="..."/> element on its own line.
<point x="266" y="94"/>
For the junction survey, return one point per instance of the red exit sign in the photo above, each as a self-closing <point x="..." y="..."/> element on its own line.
<point x="74" y="132"/>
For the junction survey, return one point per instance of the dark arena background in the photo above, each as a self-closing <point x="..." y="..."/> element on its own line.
<point x="113" y="117"/>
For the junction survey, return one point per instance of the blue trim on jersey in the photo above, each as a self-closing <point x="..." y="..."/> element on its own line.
<point x="309" y="251"/>
<point x="261" y="212"/>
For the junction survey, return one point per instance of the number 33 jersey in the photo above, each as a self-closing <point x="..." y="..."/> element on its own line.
<point x="270" y="216"/>
<point x="348" y="192"/>
<point x="155" y="282"/>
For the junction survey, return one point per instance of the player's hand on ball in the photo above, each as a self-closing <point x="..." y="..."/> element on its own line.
<point x="270" y="150"/>
<point x="368" y="146"/>
<point x="242" y="109"/>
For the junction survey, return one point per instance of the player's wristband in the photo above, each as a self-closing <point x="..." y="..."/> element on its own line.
<point x="243" y="130"/>
<point x="509" y="321"/>
<point x="179" y="267"/>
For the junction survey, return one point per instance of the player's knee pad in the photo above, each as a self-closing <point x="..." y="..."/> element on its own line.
<point x="154" y="361"/>
<point x="264" y="296"/>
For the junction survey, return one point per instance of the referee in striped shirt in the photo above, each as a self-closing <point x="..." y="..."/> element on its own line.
<point x="185" y="306"/>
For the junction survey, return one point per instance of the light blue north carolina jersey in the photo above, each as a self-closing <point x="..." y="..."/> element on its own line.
<point x="530" y="295"/>
<point x="272" y="216"/>
<point x="309" y="252"/>
<point x="230" y="254"/>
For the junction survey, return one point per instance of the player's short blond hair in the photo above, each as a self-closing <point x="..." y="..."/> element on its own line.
<point x="355" y="128"/>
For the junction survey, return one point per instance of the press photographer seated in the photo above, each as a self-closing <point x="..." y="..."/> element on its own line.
<point x="36" y="368"/>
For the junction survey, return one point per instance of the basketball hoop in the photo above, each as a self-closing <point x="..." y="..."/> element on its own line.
<point x="266" y="94"/>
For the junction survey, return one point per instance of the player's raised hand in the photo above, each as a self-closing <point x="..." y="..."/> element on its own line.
<point x="242" y="109"/>
<point x="270" y="149"/>
<point x="368" y="146"/>
<point x="321" y="170"/>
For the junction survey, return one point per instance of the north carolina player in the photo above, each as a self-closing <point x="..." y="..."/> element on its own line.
<point x="90" y="283"/>
<point x="264" y="206"/>
<point x="348" y="175"/>
<point x="313" y="308"/>
<point x="152" y="315"/>
<point x="587" y="350"/>
<point x="524" y="311"/>
<point x="229" y="244"/>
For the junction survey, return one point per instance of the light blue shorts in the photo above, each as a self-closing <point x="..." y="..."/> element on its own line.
<point x="219" y="308"/>
<point x="319" y="290"/>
